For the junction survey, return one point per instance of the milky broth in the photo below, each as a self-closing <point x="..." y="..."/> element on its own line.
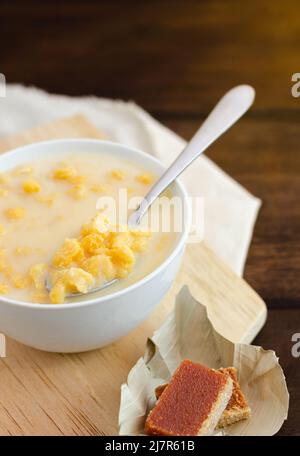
<point x="58" y="210"/>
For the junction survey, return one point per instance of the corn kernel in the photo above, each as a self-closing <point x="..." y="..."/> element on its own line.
<point x="92" y="242"/>
<point x="15" y="213"/>
<point x="2" y="230"/>
<point x="71" y="251"/>
<point x="65" y="173"/>
<point x="31" y="186"/>
<point x="140" y="239"/>
<point x="117" y="174"/>
<point x="76" y="180"/>
<point x="119" y="238"/>
<point x="122" y="256"/>
<point x="78" y="191"/>
<point x="71" y="280"/>
<point x="91" y="265"/>
<point x="37" y="274"/>
<point x="21" y="281"/>
<point x="145" y="179"/>
<point x="107" y="268"/>
<point x="99" y="224"/>
<point x="98" y="188"/>
<point x="99" y="265"/>
<point x="78" y="280"/>
<point x="58" y="293"/>
<point x="3" y="288"/>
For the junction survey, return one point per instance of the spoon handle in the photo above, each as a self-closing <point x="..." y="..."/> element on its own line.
<point x="228" y="110"/>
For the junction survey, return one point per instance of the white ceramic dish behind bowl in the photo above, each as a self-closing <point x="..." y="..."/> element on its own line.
<point x="97" y="321"/>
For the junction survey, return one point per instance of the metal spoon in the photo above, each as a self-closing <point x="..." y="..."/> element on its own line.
<point x="227" y="111"/>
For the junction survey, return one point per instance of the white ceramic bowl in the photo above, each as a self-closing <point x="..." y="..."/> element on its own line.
<point x="95" y="322"/>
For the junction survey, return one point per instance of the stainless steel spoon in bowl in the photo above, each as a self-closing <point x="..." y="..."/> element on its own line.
<point x="227" y="111"/>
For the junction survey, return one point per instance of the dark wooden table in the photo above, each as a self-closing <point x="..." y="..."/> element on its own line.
<point x="176" y="58"/>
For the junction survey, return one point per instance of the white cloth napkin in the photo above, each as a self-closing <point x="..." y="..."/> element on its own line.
<point x="230" y="211"/>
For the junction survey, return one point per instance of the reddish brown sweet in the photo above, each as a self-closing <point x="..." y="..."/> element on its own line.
<point x="237" y="408"/>
<point x="192" y="402"/>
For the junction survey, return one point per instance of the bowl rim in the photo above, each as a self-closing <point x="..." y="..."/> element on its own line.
<point x="174" y="252"/>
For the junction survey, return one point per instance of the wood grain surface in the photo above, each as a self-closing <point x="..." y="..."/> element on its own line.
<point x="176" y="58"/>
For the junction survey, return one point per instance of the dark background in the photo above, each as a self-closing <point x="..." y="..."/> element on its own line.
<point x="176" y="58"/>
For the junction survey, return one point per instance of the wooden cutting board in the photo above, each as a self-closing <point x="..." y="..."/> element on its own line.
<point x="57" y="394"/>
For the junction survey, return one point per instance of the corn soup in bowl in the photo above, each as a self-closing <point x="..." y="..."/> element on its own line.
<point x="63" y="211"/>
